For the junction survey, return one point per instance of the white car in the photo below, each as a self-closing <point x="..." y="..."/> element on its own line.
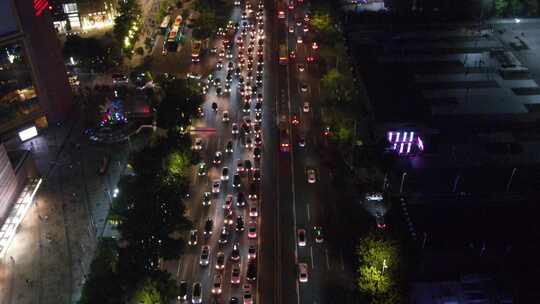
<point x="216" y="186"/>
<point x="306" y="107"/>
<point x="225" y="117"/>
<point x="253" y="212"/>
<point x="299" y="40"/>
<point x="301" y="68"/>
<point x="301" y="235"/>
<point x="302" y="272"/>
<point x="291" y="29"/>
<point x="205" y="256"/>
<point x="311" y="177"/>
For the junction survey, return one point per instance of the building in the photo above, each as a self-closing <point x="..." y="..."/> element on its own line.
<point x="19" y="182"/>
<point x="70" y="16"/>
<point x="34" y="88"/>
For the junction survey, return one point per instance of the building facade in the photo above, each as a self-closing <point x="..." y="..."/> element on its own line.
<point x="74" y="16"/>
<point x="34" y="88"/>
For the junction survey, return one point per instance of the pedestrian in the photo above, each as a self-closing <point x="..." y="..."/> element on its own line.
<point x="12" y="259"/>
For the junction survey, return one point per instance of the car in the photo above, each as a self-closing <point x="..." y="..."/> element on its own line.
<point x="228" y="217"/>
<point x="182" y="292"/>
<point x="229" y="147"/>
<point x="303" y="88"/>
<point x="252" y="252"/>
<point x="240" y="200"/>
<point x="298" y="22"/>
<point x="207" y="200"/>
<point x="229" y="77"/>
<point x="295" y="121"/>
<point x="240" y="167"/>
<point x="227" y="203"/>
<point x="202" y="169"/>
<point x="252" y="230"/>
<point x="223" y="236"/>
<point x="257" y="129"/>
<point x="248" y="297"/>
<point x="301" y="142"/>
<point x="234" y="300"/>
<point x="204" y="259"/>
<point x="247" y="165"/>
<point x="216" y="186"/>
<point x="219" y="65"/>
<point x="219" y="91"/>
<point x="239" y="224"/>
<point x="299" y="39"/>
<point x="237" y="71"/>
<point x="234" y="129"/>
<point x="225" y="116"/>
<point x="301" y="67"/>
<point x="260" y="51"/>
<point x="248" y="143"/>
<point x="225" y="174"/>
<point x="311" y="176"/>
<point x="235" y="253"/>
<point x="317" y="231"/>
<point x="246" y="107"/>
<point x="217" y="158"/>
<point x="214" y="106"/>
<point x="292" y="55"/>
<point x="193" y="237"/>
<point x="251" y="273"/>
<point x="197" y="146"/>
<point x="196" y="296"/>
<point x="301" y="235"/>
<point x="258" y="117"/>
<point x="229" y="54"/>
<point x="253" y="212"/>
<point x="302" y="272"/>
<point x="379" y="218"/>
<point x="253" y="192"/>
<point x="236" y="2"/>
<point x="220" y="261"/>
<point x="249" y="75"/>
<point x="216" y="286"/>
<point x="258" y="107"/>
<point x="256" y="174"/>
<point x="305" y="107"/>
<point x="306" y="28"/>
<point x="208" y="227"/>
<point x="291" y="29"/>
<point x="236" y="181"/>
<point x="257" y="153"/>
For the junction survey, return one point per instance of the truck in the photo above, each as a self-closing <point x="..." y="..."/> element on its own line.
<point x="165" y="24"/>
<point x="174" y="34"/>
<point x="284" y="139"/>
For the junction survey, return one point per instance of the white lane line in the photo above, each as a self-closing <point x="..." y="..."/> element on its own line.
<point x="308" y="213"/>
<point x="311" y="253"/>
<point x="327" y="260"/>
<point x="297" y="292"/>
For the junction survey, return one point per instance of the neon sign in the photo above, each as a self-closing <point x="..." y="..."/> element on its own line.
<point x="405" y="142"/>
<point x="40" y="6"/>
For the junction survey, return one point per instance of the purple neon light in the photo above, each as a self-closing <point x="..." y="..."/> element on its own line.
<point x="401" y="148"/>
<point x="420" y="144"/>
<point x="411" y="137"/>
<point x="390" y="135"/>
<point x="395" y="146"/>
<point x="409" y="148"/>
<point x="405" y="136"/>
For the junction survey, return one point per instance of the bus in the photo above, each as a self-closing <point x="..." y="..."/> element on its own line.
<point x="196" y="51"/>
<point x="165" y="24"/>
<point x="283" y="56"/>
<point x="174" y="34"/>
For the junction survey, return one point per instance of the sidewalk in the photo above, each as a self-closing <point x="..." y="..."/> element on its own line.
<point x="55" y="242"/>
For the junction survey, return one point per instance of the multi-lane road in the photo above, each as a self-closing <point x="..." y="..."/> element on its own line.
<point x="287" y="202"/>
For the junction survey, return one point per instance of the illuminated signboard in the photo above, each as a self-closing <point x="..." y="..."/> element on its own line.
<point x="40" y="6"/>
<point x="405" y="142"/>
<point x="28" y="133"/>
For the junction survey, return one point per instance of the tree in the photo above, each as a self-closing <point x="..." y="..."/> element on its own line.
<point x="157" y="288"/>
<point x="532" y="7"/>
<point x="179" y="105"/>
<point x="501" y="7"/>
<point x="178" y="164"/>
<point x="205" y="24"/>
<point x="378" y="264"/>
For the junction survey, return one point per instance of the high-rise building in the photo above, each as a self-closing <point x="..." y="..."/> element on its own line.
<point x="34" y="88"/>
<point x="82" y="15"/>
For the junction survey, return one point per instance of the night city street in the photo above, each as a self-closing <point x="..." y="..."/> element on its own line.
<point x="269" y="151"/>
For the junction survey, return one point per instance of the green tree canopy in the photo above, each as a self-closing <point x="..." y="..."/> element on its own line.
<point x="157" y="288"/>
<point x="179" y="105"/>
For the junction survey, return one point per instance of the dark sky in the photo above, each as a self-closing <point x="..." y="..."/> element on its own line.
<point x="8" y="23"/>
